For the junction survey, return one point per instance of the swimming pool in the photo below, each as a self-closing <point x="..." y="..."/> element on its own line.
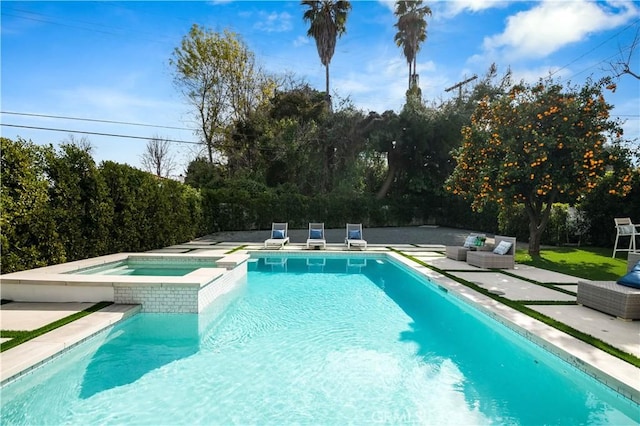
<point x="316" y="341"/>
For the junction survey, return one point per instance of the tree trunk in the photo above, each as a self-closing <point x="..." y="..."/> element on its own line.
<point x="327" y="95"/>
<point x="535" y="233"/>
<point x="539" y="213"/>
<point x="386" y="185"/>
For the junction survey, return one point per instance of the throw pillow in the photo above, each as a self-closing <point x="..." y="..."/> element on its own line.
<point x="502" y="248"/>
<point x="278" y="234"/>
<point x="354" y="235"/>
<point x="632" y="279"/>
<point x="470" y="241"/>
<point x="315" y="234"/>
<point x="627" y="229"/>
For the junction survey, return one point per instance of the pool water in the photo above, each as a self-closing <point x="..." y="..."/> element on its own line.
<point x="140" y="268"/>
<point x="315" y="342"/>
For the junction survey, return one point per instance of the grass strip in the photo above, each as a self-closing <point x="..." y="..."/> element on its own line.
<point x="236" y="249"/>
<point x="24" y="336"/>
<point x="518" y="306"/>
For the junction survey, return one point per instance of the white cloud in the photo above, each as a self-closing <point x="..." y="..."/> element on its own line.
<point x="533" y="75"/>
<point x="274" y="22"/>
<point x="455" y="7"/>
<point x="382" y="84"/>
<point x="301" y="41"/>
<point x="552" y="25"/>
<point x="389" y="4"/>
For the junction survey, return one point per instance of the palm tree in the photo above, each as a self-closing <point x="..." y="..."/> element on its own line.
<point x="327" y="20"/>
<point x="412" y="30"/>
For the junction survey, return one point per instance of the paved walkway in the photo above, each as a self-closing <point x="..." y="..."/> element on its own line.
<point x="423" y="243"/>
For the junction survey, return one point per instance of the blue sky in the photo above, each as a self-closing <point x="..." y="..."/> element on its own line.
<point x="110" y="60"/>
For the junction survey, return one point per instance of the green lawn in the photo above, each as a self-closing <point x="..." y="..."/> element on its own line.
<point x="593" y="263"/>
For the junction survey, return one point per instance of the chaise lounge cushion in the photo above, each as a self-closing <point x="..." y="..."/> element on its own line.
<point x="632" y="279"/>
<point x="354" y="235"/>
<point x="315" y="234"/>
<point x="278" y="234"/>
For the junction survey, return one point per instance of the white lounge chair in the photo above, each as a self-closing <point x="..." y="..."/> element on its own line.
<point x="316" y="235"/>
<point x="279" y="235"/>
<point x="625" y="228"/>
<point x="354" y="236"/>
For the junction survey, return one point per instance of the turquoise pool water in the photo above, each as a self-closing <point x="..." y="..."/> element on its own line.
<point x="139" y="268"/>
<point x="315" y="341"/>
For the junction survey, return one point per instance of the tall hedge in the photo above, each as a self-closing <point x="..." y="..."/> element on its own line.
<point x="29" y="232"/>
<point x="59" y="206"/>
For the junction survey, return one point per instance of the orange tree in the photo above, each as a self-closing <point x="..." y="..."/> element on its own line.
<point x="536" y="145"/>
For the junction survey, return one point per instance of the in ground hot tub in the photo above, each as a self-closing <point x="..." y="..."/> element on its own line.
<point x="181" y="283"/>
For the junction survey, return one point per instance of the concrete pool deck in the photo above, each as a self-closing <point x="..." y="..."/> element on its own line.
<point x="522" y="284"/>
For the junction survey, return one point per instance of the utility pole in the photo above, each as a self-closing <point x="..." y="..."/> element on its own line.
<point x="459" y="86"/>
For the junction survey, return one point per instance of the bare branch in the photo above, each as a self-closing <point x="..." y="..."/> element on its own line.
<point x="622" y="65"/>
<point x="157" y="158"/>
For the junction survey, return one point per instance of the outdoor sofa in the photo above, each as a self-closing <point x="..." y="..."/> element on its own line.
<point x="502" y="256"/>
<point x="460" y="252"/>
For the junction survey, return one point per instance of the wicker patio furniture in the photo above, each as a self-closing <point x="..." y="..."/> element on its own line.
<point x="491" y="260"/>
<point x="632" y="259"/>
<point x="611" y="298"/>
<point x="460" y="252"/>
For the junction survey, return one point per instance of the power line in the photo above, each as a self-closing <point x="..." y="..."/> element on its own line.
<point x="596" y="47"/>
<point x="114" y="135"/>
<point x="29" y="114"/>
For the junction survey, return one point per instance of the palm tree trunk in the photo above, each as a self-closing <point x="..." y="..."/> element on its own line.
<point x="415" y="65"/>
<point x="327" y="95"/>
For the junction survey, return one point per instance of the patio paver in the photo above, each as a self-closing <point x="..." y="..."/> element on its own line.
<point x="624" y="335"/>
<point x="513" y="288"/>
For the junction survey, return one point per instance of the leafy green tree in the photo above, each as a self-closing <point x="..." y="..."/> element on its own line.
<point x="412" y="31"/>
<point x="327" y="21"/>
<point x="613" y="197"/>
<point x="218" y="75"/>
<point x="536" y="145"/>
<point x="203" y="174"/>
<point x="29" y="235"/>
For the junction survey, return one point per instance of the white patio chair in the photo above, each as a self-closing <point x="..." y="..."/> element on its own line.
<point x="354" y="236"/>
<point x="625" y="228"/>
<point x="279" y="235"/>
<point x="316" y="235"/>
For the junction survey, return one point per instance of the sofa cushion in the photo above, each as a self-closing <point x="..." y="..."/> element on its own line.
<point x="632" y="279"/>
<point x="470" y="241"/>
<point x="502" y="248"/>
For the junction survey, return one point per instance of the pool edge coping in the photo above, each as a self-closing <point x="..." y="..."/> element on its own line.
<point x="609" y="370"/>
<point x="30" y="355"/>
